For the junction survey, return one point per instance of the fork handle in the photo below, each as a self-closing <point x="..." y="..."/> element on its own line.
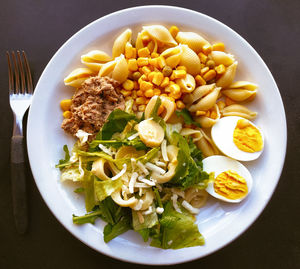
<point x="18" y="182"/>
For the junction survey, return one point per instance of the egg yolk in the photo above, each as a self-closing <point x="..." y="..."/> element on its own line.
<point x="231" y="185"/>
<point x="246" y="137"/>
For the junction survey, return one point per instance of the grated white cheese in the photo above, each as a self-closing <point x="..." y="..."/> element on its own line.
<point x="105" y="149"/>
<point x="140" y="217"/>
<point x="190" y="208"/>
<point x="133" y="163"/>
<point x="143" y="168"/>
<point x="147" y="181"/>
<point x="160" y="164"/>
<point x="155" y="168"/>
<point x="132" y="181"/>
<point x="139" y="205"/>
<point x="141" y="191"/>
<point x="121" y="173"/>
<point x="141" y="185"/>
<point x="133" y="136"/>
<point x="74" y="157"/>
<point x="148" y="211"/>
<point x="164" y="150"/>
<point x="159" y="210"/>
<point x="170" y="242"/>
<point x="174" y="198"/>
<point x="82" y="136"/>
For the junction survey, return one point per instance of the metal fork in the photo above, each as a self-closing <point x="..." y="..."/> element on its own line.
<point x="20" y="97"/>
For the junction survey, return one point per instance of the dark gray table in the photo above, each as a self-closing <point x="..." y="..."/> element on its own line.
<point x="272" y="27"/>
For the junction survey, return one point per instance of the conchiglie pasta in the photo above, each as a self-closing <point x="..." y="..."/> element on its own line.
<point x="227" y="78"/>
<point x="239" y="110"/>
<point x="207" y="101"/>
<point x="128" y="152"/>
<point x="220" y="57"/>
<point x="147" y="200"/>
<point x="207" y="122"/>
<point x="187" y="84"/>
<point x="118" y="199"/>
<point x="198" y="93"/>
<point x="196" y="134"/>
<point x="95" y="59"/>
<point x="206" y="145"/>
<point x="193" y="40"/>
<point x="120" y="42"/>
<point x="197" y="198"/>
<point x="161" y="34"/>
<point x="78" y="76"/>
<point x="102" y="169"/>
<point x="172" y="56"/>
<point x="240" y="91"/>
<point x="190" y="60"/>
<point x="116" y="69"/>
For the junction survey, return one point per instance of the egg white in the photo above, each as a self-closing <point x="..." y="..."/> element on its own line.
<point x="219" y="164"/>
<point x="222" y="135"/>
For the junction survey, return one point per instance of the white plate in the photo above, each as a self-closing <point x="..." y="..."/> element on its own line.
<point x="220" y="223"/>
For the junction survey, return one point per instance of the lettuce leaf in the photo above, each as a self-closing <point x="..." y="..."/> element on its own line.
<point x="148" y="156"/>
<point x="150" y="220"/>
<point x="89" y="194"/>
<point x="177" y="230"/>
<point x="71" y="173"/>
<point x="113" y="230"/>
<point x="185" y="114"/>
<point x="64" y="162"/>
<point x="105" y="188"/>
<point x="87" y="218"/>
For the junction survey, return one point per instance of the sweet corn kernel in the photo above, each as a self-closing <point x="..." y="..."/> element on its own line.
<point x="144" y="52"/>
<point x="218" y="46"/>
<point x="221" y="105"/>
<point x="147" y="101"/>
<point x="136" y="85"/>
<point x="160" y="109"/>
<point x="207" y="114"/>
<point x="145" y="85"/>
<point x="130" y="52"/>
<point x="65" y="104"/>
<point x="142" y="78"/>
<point x="154" y="55"/>
<point x="149" y="93"/>
<point x="207" y="49"/>
<point x="213" y="115"/>
<point x="125" y="93"/>
<point x="165" y="82"/>
<point x="200" y="113"/>
<point x="171" y="98"/>
<point x="153" y="62"/>
<point x="142" y="61"/>
<point x="133" y="94"/>
<point x="127" y="98"/>
<point x="140" y="93"/>
<point x="132" y="65"/>
<point x="151" y="75"/>
<point x="67" y="114"/>
<point x="158" y="78"/>
<point x="220" y="69"/>
<point x="157" y="91"/>
<point x="181" y="67"/>
<point x="146" y="70"/>
<point x="128" y="85"/>
<point x="180" y="104"/>
<point x="178" y="74"/>
<point x="142" y="108"/>
<point x="199" y="80"/>
<point x="161" y="62"/>
<point x="229" y="101"/>
<point x="204" y="70"/>
<point x="174" y="30"/>
<point x="202" y="57"/>
<point x="164" y="94"/>
<point x="211" y="74"/>
<point x="140" y="100"/>
<point x="174" y="91"/>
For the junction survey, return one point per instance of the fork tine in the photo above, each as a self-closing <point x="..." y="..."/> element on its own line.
<point x="28" y="74"/>
<point x="10" y="75"/>
<point x="21" y="69"/>
<point x="17" y="77"/>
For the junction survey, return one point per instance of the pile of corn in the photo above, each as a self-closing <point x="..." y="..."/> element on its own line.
<point x="149" y="75"/>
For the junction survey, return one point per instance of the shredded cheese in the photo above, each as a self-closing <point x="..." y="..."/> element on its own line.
<point x="139" y="205"/>
<point x="164" y="150"/>
<point x="121" y="173"/>
<point x="142" y="168"/>
<point x="133" y="136"/>
<point x="140" y="217"/>
<point x="160" y="164"/>
<point x="82" y="136"/>
<point x="148" y="211"/>
<point x="105" y="149"/>
<point x="141" y="185"/>
<point x="174" y="198"/>
<point x="159" y="210"/>
<point x="147" y="181"/>
<point x="190" y="208"/>
<point x="132" y="181"/>
<point x="155" y="168"/>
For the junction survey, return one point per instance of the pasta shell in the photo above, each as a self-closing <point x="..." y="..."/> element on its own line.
<point x="197" y="198"/>
<point x="172" y="56"/>
<point x="78" y="76"/>
<point x="128" y="152"/>
<point x="227" y="78"/>
<point x="161" y="34"/>
<point x="101" y="167"/>
<point x="207" y="122"/>
<point x="196" y="134"/>
<point x="190" y="60"/>
<point x="206" y="145"/>
<point x="206" y="102"/>
<point x="118" y="199"/>
<point x="220" y="57"/>
<point x="95" y="59"/>
<point x="139" y="44"/>
<point x="241" y="91"/>
<point x="147" y="199"/>
<point x="187" y="84"/>
<point x="107" y="69"/>
<point x="239" y="110"/>
<point x="198" y="93"/>
<point x="120" y="42"/>
<point x="193" y="40"/>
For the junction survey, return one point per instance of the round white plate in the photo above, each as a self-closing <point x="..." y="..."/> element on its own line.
<point x="220" y="223"/>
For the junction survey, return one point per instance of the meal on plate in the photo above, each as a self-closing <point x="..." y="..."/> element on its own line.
<point x="160" y="125"/>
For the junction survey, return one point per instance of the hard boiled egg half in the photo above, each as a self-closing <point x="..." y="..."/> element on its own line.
<point x="238" y="138"/>
<point x="232" y="180"/>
